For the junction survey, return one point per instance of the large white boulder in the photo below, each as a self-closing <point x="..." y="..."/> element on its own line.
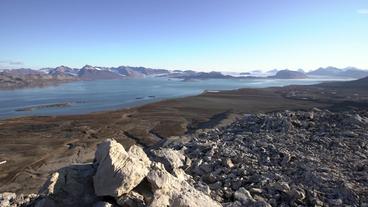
<point x="119" y="171"/>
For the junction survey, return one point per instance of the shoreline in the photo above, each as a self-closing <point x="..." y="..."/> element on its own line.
<point x="68" y="104"/>
<point x="63" y="140"/>
<point x="62" y="82"/>
<point x="76" y="109"/>
<point x="111" y="110"/>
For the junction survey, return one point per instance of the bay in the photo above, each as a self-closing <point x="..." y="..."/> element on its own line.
<point x="93" y="96"/>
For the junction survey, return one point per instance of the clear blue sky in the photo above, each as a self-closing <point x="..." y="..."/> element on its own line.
<point x="226" y="35"/>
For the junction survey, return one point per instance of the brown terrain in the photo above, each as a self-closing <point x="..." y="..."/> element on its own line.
<point x="10" y="81"/>
<point x="35" y="146"/>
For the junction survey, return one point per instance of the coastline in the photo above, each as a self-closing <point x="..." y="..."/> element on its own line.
<point x="111" y="110"/>
<point x="123" y="94"/>
<point x="64" y="140"/>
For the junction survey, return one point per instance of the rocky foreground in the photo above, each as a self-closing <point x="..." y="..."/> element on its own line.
<point x="314" y="158"/>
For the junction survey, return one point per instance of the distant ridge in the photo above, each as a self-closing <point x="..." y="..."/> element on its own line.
<point x="360" y="83"/>
<point x="94" y="73"/>
<point x="349" y="72"/>
<point x="25" y="77"/>
<point x="91" y="72"/>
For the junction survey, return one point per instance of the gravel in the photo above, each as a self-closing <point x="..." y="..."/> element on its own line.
<point x="290" y="158"/>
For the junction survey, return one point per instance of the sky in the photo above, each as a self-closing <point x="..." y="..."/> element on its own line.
<point x="206" y="35"/>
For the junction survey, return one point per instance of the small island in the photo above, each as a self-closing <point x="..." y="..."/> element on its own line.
<point x="57" y="105"/>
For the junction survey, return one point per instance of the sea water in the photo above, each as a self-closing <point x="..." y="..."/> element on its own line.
<point x="93" y="96"/>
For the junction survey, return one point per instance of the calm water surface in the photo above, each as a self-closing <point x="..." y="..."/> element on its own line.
<point x="92" y="96"/>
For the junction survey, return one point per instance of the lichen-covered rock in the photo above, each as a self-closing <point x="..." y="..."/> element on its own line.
<point x="118" y="171"/>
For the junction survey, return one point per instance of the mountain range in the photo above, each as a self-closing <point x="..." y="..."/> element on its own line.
<point x="349" y="72"/>
<point x="24" y="77"/>
<point x="89" y="72"/>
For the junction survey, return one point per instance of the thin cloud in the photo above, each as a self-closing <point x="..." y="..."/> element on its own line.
<point x="362" y="11"/>
<point x="10" y="62"/>
<point x="15" y="63"/>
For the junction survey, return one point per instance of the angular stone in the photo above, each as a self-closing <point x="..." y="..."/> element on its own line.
<point x="228" y="163"/>
<point x="118" y="171"/>
<point x="173" y="191"/>
<point x="69" y="186"/>
<point x="132" y="199"/>
<point x="243" y="196"/>
<point x="282" y="187"/>
<point x="296" y="194"/>
<point x="171" y="158"/>
<point x="335" y="202"/>
<point x="102" y="204"/>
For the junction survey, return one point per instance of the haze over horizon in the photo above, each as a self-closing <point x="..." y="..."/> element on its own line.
<point x="234" y="35"/>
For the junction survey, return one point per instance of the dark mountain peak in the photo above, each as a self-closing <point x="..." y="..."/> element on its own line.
<point x="273" y="71"/>
<point x="289" y="74"/>
<point x="331" y="68"/>
<point x="328" y="69"/>
<point x="94" y="73"/>
<point x="90" y="67"/>
<point x="62" y="71"/>
<point x="62" y="68"/>
<point x="351" y="68"/>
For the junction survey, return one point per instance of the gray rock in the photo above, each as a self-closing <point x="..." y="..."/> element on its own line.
<point x="171" y="158"/>
<point x="244" y="196"/>
<point x="335" y="202"/>
<point x="228" y="163"/>
<point x="132" y="199"/>
<point x="119" y="171"/>
<point x="169" y="190"/>
<point x="74" y="183"/>
<point x="102" y="204"/>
